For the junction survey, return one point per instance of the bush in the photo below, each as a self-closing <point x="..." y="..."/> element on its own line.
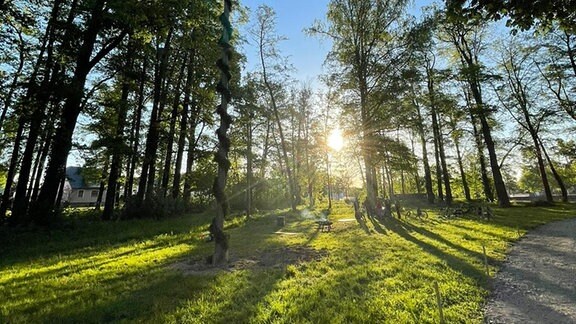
<point x="157" y="207"/>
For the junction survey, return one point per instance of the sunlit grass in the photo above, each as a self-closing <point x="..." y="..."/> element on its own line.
<point x="122" y="272"/>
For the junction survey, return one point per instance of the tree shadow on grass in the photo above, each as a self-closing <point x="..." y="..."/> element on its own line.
<point x="377" y="227"/>
<point x="86" y="293"/>
<point x="528" y="310"/>
<point x="456" y="263"/>
<point x="489" y="233"/>
<point x="441" y="240"/>
<point x="23" y="244"/>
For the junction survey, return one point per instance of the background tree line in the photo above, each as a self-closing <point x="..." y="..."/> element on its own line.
<point x="432" y="105"/>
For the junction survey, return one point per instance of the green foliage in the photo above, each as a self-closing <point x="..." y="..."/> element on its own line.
<point x="159" y="207"/>
<point x="520" y="14"/>
<point x="129" y="271"/>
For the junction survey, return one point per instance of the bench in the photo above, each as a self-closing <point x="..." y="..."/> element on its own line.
<point x="324" y="225"/>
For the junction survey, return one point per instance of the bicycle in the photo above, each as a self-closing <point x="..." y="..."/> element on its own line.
<point x="419" y="214"/>
<point x="451" y="212"/>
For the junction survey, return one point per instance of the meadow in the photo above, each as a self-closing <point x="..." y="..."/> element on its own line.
<point x="153" y="271"/>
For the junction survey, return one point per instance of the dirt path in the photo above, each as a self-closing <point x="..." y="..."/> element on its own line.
<point x="537" y="283"/>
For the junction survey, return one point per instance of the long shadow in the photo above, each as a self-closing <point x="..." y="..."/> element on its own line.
<point x="446" y="242"/>
<point x="23" y="244"/>
<point x="68" y="303"/>
<point x="363" y="224"/>
<point x="532" y="311"/>
<point x="468" y="228"/>
<point x="536" y="278"/>
<point x="86" y="264"/>
<point x="454" y="262"/>
<point x="377" y="227"/>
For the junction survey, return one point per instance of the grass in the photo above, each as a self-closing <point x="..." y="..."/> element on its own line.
<point x="93" y="272"/>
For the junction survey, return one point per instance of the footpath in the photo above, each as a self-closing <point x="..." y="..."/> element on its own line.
<point x="537" y="283"/>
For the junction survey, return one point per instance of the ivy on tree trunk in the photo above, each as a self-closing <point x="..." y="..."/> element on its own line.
<point x="220" y="256"/>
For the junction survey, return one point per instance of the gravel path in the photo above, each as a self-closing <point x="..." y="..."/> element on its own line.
<point x="537" y="283"/>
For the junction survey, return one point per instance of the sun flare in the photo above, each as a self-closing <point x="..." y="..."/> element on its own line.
<point x="335" y="140"/>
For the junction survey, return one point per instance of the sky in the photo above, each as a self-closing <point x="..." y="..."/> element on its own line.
<point x="305" y="53"/>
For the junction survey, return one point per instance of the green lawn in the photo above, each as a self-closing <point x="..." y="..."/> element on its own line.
<point x="132" y="271"/>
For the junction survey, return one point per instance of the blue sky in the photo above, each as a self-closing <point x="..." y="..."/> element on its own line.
<point x="306" y="53"/>
<point x="292" y="17"/>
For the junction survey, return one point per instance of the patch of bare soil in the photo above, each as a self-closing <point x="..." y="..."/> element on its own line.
<point x="537" y="283"/>
<point x="272" y="258"/>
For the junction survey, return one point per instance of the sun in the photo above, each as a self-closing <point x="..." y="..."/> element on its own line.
<point x="335" y="140"/>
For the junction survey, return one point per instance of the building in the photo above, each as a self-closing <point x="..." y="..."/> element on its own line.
<point x="78" y="192"/>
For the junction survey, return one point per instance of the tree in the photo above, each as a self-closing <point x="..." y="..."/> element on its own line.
<point x="365" y="45"/>
<point x="88" y="55"/>
<point x="119" y="148"/>
<point x="221" y="244"/>
<point x="466" y="38"/>
<point x="271" y="70"/>
<point x="518" y="94"/>
<point x="521" y="14"/>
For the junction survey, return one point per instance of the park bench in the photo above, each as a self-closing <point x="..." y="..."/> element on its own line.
<point x="324" y="225"/>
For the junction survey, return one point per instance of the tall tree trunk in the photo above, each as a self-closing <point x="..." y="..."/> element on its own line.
<point x="556" y="175"/>
<point x="425" y="162"/>
<point x="58" y="202"/>
<point x="119" y="143"/>
<point x="283" y="145"/>
<point x="445" y="172"/>
<point x="416" y="175"/>
<point x="192" y="145"/>
<point x="102" y="186"/>
<point x="486" y="183"/>
<point x="329" y="180"/>
<point x="470" y="62"/>
<point x="37" y="97"/>
<point x="309" y="173"/>
<point x="542" y="168"/>
<point x="148" y="174"/>
<point x="265" y="149"/>
<point x="172" y="131"/>
<point x="518" y="89"/>
<point x="441" y="168"/>
<point x="183" y="126"/>
<point x="438" y="170"/>
<point x="249" y="168"/>
<point x="221" y="239"/>
<point x="41" y="63"/>
<point x="503" y="199"/>
<point x="12" y="168"/>
<point x="40" y="167"/>
<point x="135" y="133"/>
<point x="461" y="169"/>
<point x="62" y="141"/>
<point x="367" y="148"/>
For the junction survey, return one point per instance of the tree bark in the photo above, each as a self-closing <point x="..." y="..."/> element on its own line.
<point x="427" y="172"/>
<point x="12" y="168"/>
<point x="556" y="175"/>
<point x="40" y="167"/>
<point x="470" y="62"/>
<point x="62" y="142"/>
<point x="221" y="239"/>
<point x="461" y="169"/>
<point x="118" y="142"/>
<point x="148" y="174"/>
<point x="283" y="145"/>
<point x="172" y="131"/>
<point x="135" y="133"/>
